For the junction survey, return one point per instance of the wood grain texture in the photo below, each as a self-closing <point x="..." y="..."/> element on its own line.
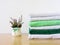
<point x="7" y="39"/>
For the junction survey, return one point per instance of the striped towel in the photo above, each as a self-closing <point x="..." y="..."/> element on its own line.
<point x="44" y="25"/>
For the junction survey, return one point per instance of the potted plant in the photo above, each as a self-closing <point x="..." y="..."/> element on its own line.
<point x="16" y="26"/>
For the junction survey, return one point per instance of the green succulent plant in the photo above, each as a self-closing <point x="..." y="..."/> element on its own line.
<point x="16" y="23"/>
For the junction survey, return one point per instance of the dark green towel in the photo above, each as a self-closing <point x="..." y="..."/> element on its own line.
<point x="43" y="31"/>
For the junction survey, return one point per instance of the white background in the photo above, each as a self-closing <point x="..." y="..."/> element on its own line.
<point x="14" y="8"/>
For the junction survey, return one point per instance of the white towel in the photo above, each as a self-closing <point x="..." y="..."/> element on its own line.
<point x="46" y="27"/>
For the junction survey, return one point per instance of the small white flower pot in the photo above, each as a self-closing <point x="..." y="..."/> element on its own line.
<point x="16" y="31"/>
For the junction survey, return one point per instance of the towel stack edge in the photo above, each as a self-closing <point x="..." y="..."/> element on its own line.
<point x="44" y="25"/>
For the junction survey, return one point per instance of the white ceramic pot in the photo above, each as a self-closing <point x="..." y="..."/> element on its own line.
<point x="16" y="31"/>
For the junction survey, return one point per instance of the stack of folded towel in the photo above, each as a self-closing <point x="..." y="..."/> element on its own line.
<point x="44" y="26"/>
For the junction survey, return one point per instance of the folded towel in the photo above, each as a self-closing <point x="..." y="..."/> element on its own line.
<point x="46" y="27"/>
<point x="45" y="18"/>
<point x="46" y="36"/>
<point x="44" y="23"/>
<point x="44" y="15"/>
<point x="44" y="31"/>
<point x="39" y="36"/>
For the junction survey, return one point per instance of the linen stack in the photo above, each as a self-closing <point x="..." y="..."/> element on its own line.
<point x="47" y="26"/>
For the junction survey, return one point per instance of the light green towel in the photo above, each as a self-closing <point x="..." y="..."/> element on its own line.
<point x="39" y="23"/>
